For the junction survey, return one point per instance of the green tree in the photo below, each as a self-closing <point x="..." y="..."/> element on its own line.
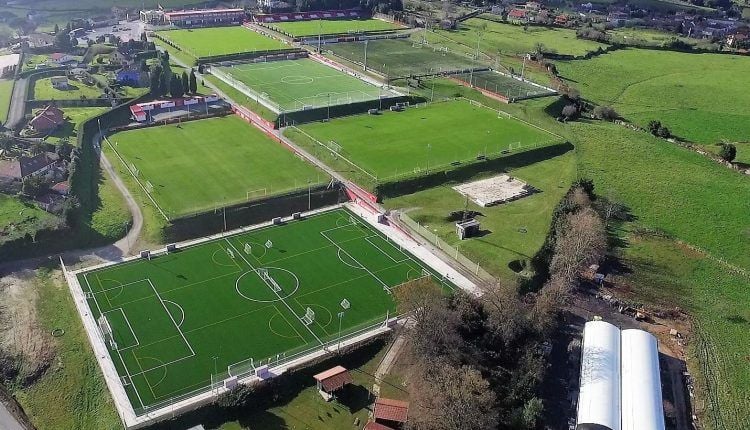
<point x="569" y="112"/>
<point x="34" y="186"/>
<point x="165" y="82"/>
<point x="193" y="82"/>
<point x="37" y="148"/>
<point x="654" y="126"/>
<point x="143" y="37"/>
<point x="185" y="82"/>
<point x="175" y="86"/>
<point x="728" y="152"/>
<point x="155" y="80"/>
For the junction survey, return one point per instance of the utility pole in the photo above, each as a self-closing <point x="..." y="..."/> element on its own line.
<point x="366" y="41"/>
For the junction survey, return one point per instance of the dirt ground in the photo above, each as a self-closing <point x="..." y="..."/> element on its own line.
<point x="607" y="303"/>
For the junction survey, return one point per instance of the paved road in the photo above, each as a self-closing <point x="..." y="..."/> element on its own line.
<point x="113" y="252"/>
<point x="7" y="420"/>
<point x="17" y="103"/>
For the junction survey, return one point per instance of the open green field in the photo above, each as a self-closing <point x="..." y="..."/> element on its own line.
<point x="700" y="97"/>
<point x="231" y="161"/>
<point x="224" y="307"/>
<point x="6" y="92"/>
<point x="291" y="85"/>
<point x="511" y="39"/>
<point x="43" y="90"/>
<point x="332" y="26"/>
<point x="403" y="57"/>
<point x="743" y="151"/>
<point x="74" y="118"/>
<point x="504" y="85"/>
<point x="213" y="41"/>
<point x="514" y="231"/>
<point x="652" y="37"/>
<point x="19" y="218"/>
<point x="427" y="138"/>
<point x="675" y="207"/>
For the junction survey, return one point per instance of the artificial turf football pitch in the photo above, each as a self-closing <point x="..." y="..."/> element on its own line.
<point x="292" y="85"/>
<point x="184" y="319"/>
<point x="200" y="165"/>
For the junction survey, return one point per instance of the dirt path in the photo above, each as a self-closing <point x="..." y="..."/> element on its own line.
<point x="390" y="357"/>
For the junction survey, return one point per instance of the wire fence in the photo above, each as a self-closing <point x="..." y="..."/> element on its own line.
<point x="441" y="244"/>
<point x="247" y="368"/>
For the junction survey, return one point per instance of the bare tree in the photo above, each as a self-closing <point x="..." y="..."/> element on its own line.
<point x="453" y="398"/>
<point x="582" y="241"/>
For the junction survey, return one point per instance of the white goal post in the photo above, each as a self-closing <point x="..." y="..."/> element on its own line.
<point x="275" y="287"/>
<point x="309" y="317"/>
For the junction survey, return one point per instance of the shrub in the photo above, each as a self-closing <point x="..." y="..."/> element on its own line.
<point x="606" y="113"/>
<point x="728" y="152"/>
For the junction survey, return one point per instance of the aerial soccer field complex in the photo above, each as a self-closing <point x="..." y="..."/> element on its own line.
<point x="180" y="323"/>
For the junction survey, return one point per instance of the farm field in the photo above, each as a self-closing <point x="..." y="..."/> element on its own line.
<point x="686" y="92"/>
<point x="203" y="301"/>
<point x="509" y="39"/>
<point x="231" y="160"/>
<point x="291" y="85"/>
<point x="743" y="151"/>
<point x="648" y="36"/>
<point x="683" y="202"/>
<point x="43" y="90"/>
<point x="418" y="140"/>
<point x="402" y="57"/>
<point x="6" y="92"/>
<point x="514" y="231"/>
<point x="333" y="26"/>
<point x="213" y="41"/>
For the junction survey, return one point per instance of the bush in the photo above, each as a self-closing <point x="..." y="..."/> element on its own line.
<point x="728" y="152"/>
<point x="570" y="112"/>
<point x="606" y="113"/>
<point x="236" y="398"/>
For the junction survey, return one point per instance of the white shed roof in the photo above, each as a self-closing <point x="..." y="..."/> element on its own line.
<point x="599" y="398"/>
<point x="642" y="407"/>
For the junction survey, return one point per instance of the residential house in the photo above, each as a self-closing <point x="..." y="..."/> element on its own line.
<point x="533" y="6"/>
<point x="60" y="82"/>
<point x="518" y="16"/>
<point x="562" y="20"/>
<point x="50" y="202"/>
<point x="47" y="120"/>
<point x="617" y="18"/>
<point x="61" y="188"/>
<point x="17" y="170"/>
<point x="60" y="58"/>
<point x="102" y="21"/>
<point x="131" y="78"/>
<point x="41" y="40"/>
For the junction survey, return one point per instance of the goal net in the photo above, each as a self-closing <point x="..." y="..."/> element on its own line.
<point x="269" y="280"/>
<point x="104" y="326"/>
<point x="309" y="317"/>
<point x="230" y="253"/>
<point x="248" y="249"/>
<point x="149" y="187"/>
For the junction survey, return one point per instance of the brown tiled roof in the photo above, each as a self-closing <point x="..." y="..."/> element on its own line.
<point x="25" y="166"/>
<point x="517" y="13"/>
<point x="334" y="378"/>
<point x="391" y="410"/>
<point x="47" y="119"/>
<point x="372" y="425"/>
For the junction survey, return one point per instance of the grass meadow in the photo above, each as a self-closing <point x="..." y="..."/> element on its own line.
<point x="413" y="142"/>
<point x="6" y="92"/>
<point x="227" y="156"/>
<point x="513" y="232"/>
<point x="680" y="201"/>
<point x="509" y="39"/>
<point x="333" y="26"/>
<point x="700" y="97"/>
<point x="43" y="90"/>
<point x="212" y="41"/>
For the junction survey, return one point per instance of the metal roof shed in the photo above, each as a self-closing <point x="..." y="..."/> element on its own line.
<point x="642" y="407"/>
<point x="599" y="398"/>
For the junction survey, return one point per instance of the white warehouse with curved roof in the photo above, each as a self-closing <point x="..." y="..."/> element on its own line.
<point x="620" y="388"/>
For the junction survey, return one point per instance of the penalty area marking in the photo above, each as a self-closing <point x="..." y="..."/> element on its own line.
<point x="182" y="311"/>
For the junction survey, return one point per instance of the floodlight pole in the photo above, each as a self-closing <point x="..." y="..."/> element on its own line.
<point x="309" y="200"/>
<point x="366" y="42"/>
<point x="225" y="218"/>
<point x="341" y="317"/>
<point x="328" y="115"/>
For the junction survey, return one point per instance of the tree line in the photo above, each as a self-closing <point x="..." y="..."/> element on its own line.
<point x="162" y="81"/>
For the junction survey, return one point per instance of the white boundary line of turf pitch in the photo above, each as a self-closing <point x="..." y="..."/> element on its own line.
<point x="122" y="403"/>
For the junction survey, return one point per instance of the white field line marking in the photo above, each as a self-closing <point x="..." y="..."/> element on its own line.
<point x="277" y="294"/>
<point x="385" y="253"/>
<point x="124" y="366"/>
<point x="170" y="317"/>
<point x="338" y="253"/>
<point x="182" y="311"/>
<point x="184" y="286"/>
<point x="137" y="342"/>
<point x="350" y="256"/>
<point x="119" y="286"/>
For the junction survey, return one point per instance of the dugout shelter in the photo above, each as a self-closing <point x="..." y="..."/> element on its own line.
<point x="332" y="380"/>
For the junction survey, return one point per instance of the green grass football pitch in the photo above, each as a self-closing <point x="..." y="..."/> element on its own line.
<point x="403" y="57"/>
<point x="292" y="85"/>
<point x="200" y="165"/>
<point x="209" y="42"/>
<point x="184" y="319"/>
<point x="421" y="139"/>
<point x="333" y="26"/>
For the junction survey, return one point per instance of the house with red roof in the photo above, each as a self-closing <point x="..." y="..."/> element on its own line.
<point x="47" y="120"/>
<point x="60" y="58"/>
<point x="518" y="16"/>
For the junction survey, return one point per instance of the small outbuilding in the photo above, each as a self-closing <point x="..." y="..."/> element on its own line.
<point x="390" y="413"/>
<point x="332" y="380"/>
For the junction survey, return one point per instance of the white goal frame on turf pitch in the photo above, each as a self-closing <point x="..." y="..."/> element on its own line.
<point x="309" y="317"/>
